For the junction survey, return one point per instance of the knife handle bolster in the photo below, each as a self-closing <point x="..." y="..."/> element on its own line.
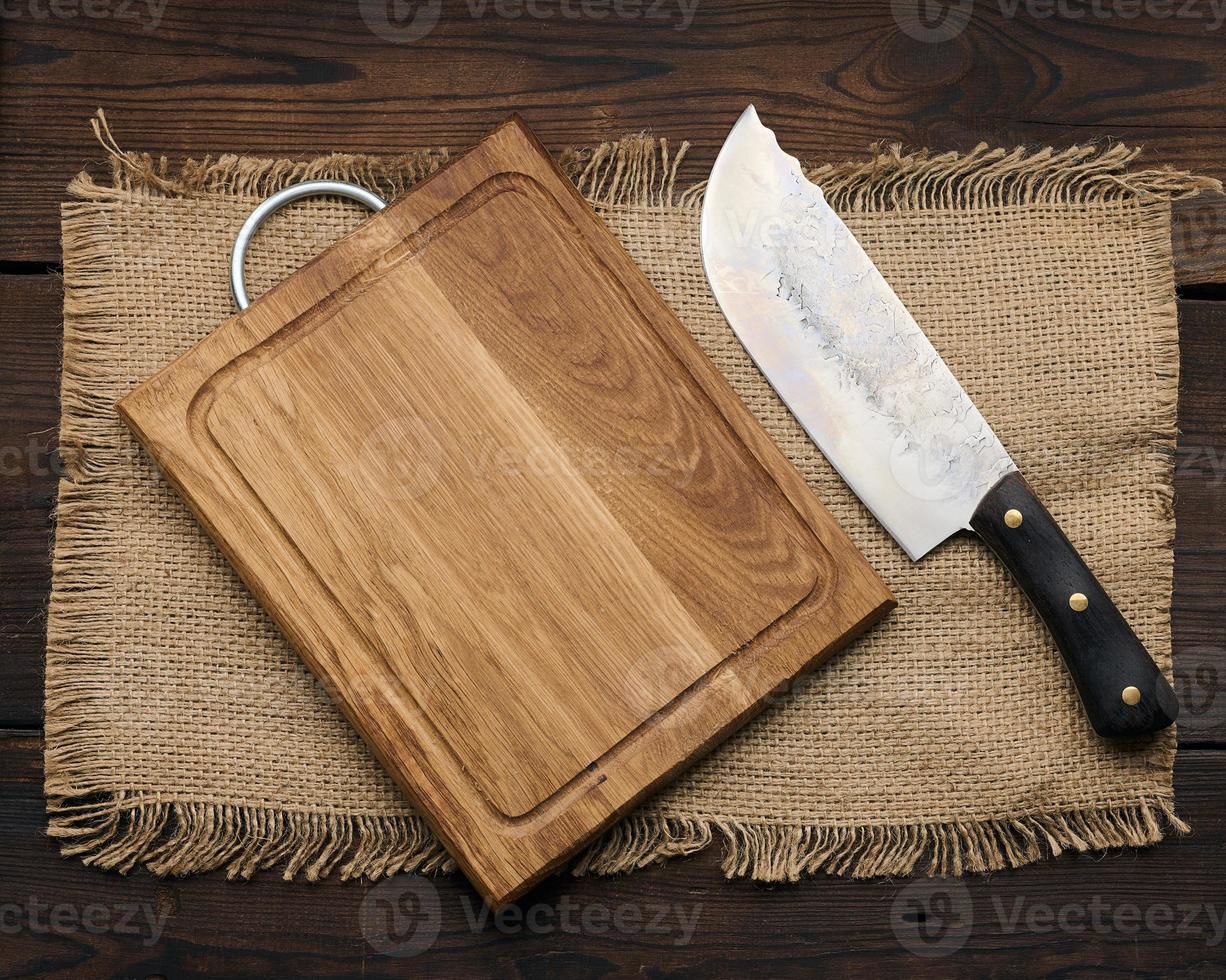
<point x="1122" y="689"/>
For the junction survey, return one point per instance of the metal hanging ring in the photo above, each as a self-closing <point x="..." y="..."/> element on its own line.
<point x="310" y="188"/>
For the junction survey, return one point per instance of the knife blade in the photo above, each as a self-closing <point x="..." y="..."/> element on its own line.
<point x="862" y="378"/>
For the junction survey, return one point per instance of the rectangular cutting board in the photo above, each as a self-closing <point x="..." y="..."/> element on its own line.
<point x="505" y="509"/>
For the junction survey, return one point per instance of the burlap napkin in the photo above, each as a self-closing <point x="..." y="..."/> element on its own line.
<point x="183" y="733"/>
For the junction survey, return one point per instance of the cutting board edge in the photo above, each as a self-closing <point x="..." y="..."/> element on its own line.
<point x="873" y="601"/>
<point x="872" y="598"/>
<point x="871" y="617"/>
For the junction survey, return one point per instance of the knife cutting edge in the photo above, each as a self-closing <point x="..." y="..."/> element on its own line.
<point x="852" y="365"/>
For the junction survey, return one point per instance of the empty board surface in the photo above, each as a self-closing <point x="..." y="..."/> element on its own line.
<point x="500" y="503"/>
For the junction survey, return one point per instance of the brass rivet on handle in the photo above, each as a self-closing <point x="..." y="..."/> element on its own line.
<point x="1078" y="602"/>
<point x="1131" y="695"/>
<point x="1013" y="518"/>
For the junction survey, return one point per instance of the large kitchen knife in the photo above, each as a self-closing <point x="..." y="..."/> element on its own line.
<point x="839" y="347"/>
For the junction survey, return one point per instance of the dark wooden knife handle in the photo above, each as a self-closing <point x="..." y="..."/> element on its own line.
<point x="1123" y="690"/>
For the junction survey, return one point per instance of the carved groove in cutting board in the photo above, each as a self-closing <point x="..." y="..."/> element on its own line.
<point x="523" y="710"/>
<point x="552" y="352"/>
<point x="609" y="385"/>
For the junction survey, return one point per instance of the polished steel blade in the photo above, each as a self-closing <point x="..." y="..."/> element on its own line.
<point x="839" y="347"/>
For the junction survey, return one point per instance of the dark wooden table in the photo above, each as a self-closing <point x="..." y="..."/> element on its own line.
<point x="187" y="77"/>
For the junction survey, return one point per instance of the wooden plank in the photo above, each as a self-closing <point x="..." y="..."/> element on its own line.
<point x="530" y="648"/>
<point x="1152" y="912"/>
<point x="29" y="416"/>
<point x="298" y="79"/>
<point x="29" y="365"/>
<point x="293" y="79"/>
<point x="1198" y="616"/>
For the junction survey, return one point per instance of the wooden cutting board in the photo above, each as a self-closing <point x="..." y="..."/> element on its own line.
<point x="504" y="508"/>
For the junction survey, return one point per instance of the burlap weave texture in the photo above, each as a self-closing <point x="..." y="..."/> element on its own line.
<point x="184" y="734"/>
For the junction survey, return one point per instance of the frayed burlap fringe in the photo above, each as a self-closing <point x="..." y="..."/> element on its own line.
<point x="635" y="171"/>
<point x="990" y="178"/>
<point x="120" y="829"/>
<point x="771" y="852"/>
<point x="177" y="838"/>
<point x="641" y="171"/>
<point x="180" y="838"/>
<point x="897" y="180"/>
<point x="136" y="173"/>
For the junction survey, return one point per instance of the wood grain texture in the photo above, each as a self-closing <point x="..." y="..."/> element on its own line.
<point x="30" y="331"/>
<point x="294" y="78"/>
<point x="1198" y="609"/>
<point x="298" y="79"/>
<point x="679" y="920"/>
<point x="395" y="449"/>
<point x="29" y="384"/>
